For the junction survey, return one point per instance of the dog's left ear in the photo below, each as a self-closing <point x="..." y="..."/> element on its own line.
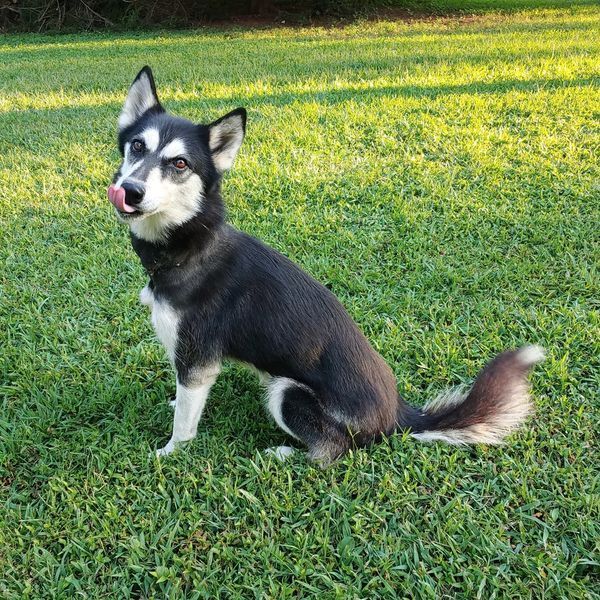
<point x="140" y="98"/>
<point x="225" y="137"/>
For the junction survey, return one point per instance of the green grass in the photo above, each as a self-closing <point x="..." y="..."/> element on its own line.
<point x="486" y="6"/>
<point x="443" y="179"/>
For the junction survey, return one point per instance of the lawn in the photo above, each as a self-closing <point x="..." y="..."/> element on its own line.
<point x="442" y="178"/>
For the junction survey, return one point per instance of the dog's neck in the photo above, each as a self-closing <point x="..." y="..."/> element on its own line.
<point x="190" y="240"/>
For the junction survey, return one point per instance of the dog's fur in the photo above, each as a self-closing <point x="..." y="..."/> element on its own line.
<point x="218" y="293"/>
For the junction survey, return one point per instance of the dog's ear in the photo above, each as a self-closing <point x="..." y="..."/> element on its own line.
<point x="140" y="98"/>
<point x="225" y="137"/>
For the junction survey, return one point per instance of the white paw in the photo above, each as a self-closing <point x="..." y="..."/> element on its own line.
<point x="173" y="404"/>
<point x="166" y="450"/>
<point x="281" y="453"/>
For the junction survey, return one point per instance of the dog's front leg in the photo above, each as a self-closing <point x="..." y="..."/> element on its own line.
<point x="146" y="296"/>
<point x="189" y="404"/>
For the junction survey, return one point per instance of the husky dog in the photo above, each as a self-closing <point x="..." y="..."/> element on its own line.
<point x="217" y="293"/>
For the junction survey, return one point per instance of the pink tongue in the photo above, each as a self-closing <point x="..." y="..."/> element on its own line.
<point x="117" y="198"/>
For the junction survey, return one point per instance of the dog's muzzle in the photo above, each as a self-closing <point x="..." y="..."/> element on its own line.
<point x="126" y="198"/>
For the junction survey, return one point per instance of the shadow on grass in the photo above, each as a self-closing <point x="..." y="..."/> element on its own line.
<point x="232" y="59"/>
<point x="339" y="95"/>
<point x="423" y="15"/>
<point x="28" y="119"/>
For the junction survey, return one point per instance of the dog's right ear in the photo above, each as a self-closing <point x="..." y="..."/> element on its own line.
<point x="140" y="98"/>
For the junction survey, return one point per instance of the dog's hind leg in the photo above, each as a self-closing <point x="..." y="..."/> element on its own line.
<point x="189" y="404"/>
<point x="296" y="410"/>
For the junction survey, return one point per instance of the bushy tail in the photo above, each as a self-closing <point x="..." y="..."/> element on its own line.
<point x="497" y="403"/>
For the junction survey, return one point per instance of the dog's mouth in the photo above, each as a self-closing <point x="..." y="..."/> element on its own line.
<point x="116" y="195"/>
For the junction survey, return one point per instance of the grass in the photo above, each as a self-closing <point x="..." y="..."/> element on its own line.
<point x="486" y="6"/>
<point x="443" y="179"/>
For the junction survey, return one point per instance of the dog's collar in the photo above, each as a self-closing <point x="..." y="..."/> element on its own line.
<point x="160" y="266"/>
<point x="157" y="268"/>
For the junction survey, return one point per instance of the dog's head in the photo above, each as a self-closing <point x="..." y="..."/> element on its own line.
<point x="168" y="163"/>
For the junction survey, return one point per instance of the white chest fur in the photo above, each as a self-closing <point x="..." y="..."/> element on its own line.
<point x="165" y="321"/>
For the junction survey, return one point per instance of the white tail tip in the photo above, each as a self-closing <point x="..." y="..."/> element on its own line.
<point x="531" y="355"/>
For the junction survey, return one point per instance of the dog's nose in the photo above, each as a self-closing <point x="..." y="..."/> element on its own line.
<point x="134" y="193"/>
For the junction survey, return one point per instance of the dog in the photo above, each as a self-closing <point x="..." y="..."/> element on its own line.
<point x="217" y="293"/>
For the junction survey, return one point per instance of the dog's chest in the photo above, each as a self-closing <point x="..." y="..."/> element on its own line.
<point x="165" y="321"/>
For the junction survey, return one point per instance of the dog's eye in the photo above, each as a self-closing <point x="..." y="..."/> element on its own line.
<point x="180" y="164"/>
<point x="137" y="145"/>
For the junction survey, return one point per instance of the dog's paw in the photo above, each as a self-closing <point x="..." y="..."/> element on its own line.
<point x="173" y="404"/>
<point x="166" y="450"/>
<point x="281" y="453"/>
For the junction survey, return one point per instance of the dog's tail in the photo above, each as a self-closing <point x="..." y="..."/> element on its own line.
<point x="497" y="403"/>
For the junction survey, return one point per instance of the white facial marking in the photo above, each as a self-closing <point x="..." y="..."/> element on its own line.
<point x="128" y="167"/>
<point x="173" y="149"/>
<point x="151" y="138"/>
<point x="139" y="99"/>
<point x="168" y="203"/>
<point x="127" y="170"/>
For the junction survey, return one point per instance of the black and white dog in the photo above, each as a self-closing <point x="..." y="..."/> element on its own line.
<point x="217" y="293"/>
